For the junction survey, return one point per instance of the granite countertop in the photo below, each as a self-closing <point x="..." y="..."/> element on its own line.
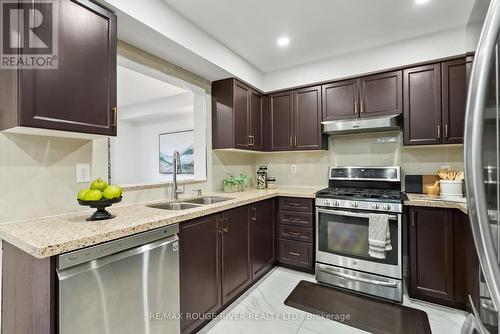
<point x="436" y="202"/>
<point x="49" y="236"/>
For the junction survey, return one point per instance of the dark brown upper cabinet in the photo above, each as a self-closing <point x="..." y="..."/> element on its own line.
<point x="237" y="116"/>
<point x="381" y="94"/>
<point x="281" y="121"/>
<point x="78" y="96"/>
<point x="422" y="105"/>
<point x="454" y="85"/>
<point x="295" y="120"/>
<point x="307" y="119"/>
<point x="340" y="100"/>
<point x="434" y="99"/>
<point x="370" y="96"/>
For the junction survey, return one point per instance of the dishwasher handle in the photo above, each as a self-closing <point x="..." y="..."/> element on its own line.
<point x="100" y="262"/>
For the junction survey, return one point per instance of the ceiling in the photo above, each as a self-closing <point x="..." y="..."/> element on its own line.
<point x="318" y="29"/>
<point x="135" y="88"/>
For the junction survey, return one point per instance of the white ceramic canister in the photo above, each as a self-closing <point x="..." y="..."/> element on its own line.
<point x="450" y="188"/>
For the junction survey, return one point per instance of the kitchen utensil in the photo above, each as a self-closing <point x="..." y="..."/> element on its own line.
<point x="460" y="176"/>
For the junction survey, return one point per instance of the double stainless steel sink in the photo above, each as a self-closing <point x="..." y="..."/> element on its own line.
<point x="190" y="203"/>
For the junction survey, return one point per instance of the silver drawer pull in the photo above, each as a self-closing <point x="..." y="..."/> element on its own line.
<point x="294" y="254"/>
<point x="294" y="233"/>
<point x="358" y="279"/>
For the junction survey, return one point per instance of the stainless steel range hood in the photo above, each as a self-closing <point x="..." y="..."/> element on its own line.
<point x="360" y="125"/>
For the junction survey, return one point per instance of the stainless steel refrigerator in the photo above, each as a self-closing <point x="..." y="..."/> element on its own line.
<point x="482" y="161"/>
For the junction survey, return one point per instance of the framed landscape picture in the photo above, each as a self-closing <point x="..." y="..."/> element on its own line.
<point x="181" y="141"/>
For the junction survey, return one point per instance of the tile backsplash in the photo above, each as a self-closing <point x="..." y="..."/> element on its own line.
<point x="372" y="149"/>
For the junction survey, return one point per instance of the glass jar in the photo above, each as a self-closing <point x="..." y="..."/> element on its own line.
<point x="271" y="182"/>
<point x="262" y="177"/>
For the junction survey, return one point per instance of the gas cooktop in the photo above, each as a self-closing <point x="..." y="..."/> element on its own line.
<point x="382" y="195"/>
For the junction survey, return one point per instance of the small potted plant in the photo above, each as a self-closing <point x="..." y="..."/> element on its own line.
<point x="233" y="184"/>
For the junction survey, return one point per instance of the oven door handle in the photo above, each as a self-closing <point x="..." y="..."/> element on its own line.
<point x="350" y="214"/>
<point x="358" y="279"/>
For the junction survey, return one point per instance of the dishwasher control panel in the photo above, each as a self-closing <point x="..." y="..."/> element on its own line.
<point x="112" y="247"/>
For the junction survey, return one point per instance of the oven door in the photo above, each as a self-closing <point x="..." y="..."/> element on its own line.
<point x="342" y="240"/>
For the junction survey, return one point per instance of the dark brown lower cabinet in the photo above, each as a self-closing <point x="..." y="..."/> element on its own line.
<point x="221" y="256"/>
<point x="296" y="233"/>
<point x="28" y="292"/>
<point x="263" y="236"/>
<point x="440" y="271"/>
<point x="200" y="269"/>
<point x="236" y="272"/>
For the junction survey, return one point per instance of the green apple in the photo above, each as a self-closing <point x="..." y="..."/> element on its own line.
<point x="112" y="192"/>
<point x="93" y="195"/>
<point x="98" y="184"/>
<point x="81" y="194"/>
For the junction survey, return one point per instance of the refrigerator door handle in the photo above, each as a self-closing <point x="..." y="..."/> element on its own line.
<point x="473" y="152"/>
<point x="472" y="323"/>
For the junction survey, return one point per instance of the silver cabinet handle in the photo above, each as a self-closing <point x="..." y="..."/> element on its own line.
<point x="358" y="279"/>
<point x="473" y="153"/>
<point x="355" y="107"/>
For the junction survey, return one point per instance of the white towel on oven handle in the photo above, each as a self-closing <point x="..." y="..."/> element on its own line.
<point x="379" y="235"/>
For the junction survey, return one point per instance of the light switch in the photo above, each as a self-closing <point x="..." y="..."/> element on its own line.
<point x="83" y="173"/>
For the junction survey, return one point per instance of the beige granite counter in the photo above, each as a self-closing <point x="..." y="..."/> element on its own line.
<point x="54" y="235"/>
<point x="436" y="202"/>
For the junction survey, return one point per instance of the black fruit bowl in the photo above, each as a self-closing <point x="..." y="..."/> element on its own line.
<point x="101" y="206"/>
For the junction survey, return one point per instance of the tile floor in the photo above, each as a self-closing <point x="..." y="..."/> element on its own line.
<point x="261" y="310"/>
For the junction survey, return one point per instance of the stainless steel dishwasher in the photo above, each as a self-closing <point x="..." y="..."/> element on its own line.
<point x="129" y="285"/>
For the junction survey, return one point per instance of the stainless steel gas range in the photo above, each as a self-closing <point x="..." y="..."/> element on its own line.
<point x="343" y="212"/>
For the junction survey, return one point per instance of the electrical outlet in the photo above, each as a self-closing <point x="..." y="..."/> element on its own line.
<point x="83" y="173"/>
<point x="293" y="169"/>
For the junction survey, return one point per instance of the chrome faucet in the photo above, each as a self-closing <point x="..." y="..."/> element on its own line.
<point x="176" y="162"/>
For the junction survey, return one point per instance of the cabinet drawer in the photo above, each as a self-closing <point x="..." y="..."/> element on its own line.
<point x="296" y="204"/>
<point x="296" y="233"/>
<point x="296" y="253"/>
<point x="296" y="219"/>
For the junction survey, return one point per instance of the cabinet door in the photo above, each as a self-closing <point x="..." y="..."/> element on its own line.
<point x="454" y="83"/>
<point x="307" y="118"/>
<point x="236" y="268"/>
<point x="281" y="121"/>
<point x="241" y="115"/>
<point x="422" y="105"/>
<point x="263" y="230"/>
<point x="340" y="100"/>
<point x="200" y="269"/>
<point x="431" y="254"/>
<point x="80" y="95"/>
<point x="256" y="121"/>
<point x="381" y="94"/>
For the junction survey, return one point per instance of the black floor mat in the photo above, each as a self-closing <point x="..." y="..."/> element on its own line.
<point x="365" y="313"/>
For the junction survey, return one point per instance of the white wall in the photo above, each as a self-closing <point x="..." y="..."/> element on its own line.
<point x="439" y="45"/>
<point x="167" y="26"/>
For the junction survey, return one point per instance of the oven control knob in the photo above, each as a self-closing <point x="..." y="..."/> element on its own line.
<point x="387" y="207"/>
<point x="337" y="203"/>
<point x="375" y="206"/>
<point x="354" y="204"/>
<point x="327" y="202"/>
